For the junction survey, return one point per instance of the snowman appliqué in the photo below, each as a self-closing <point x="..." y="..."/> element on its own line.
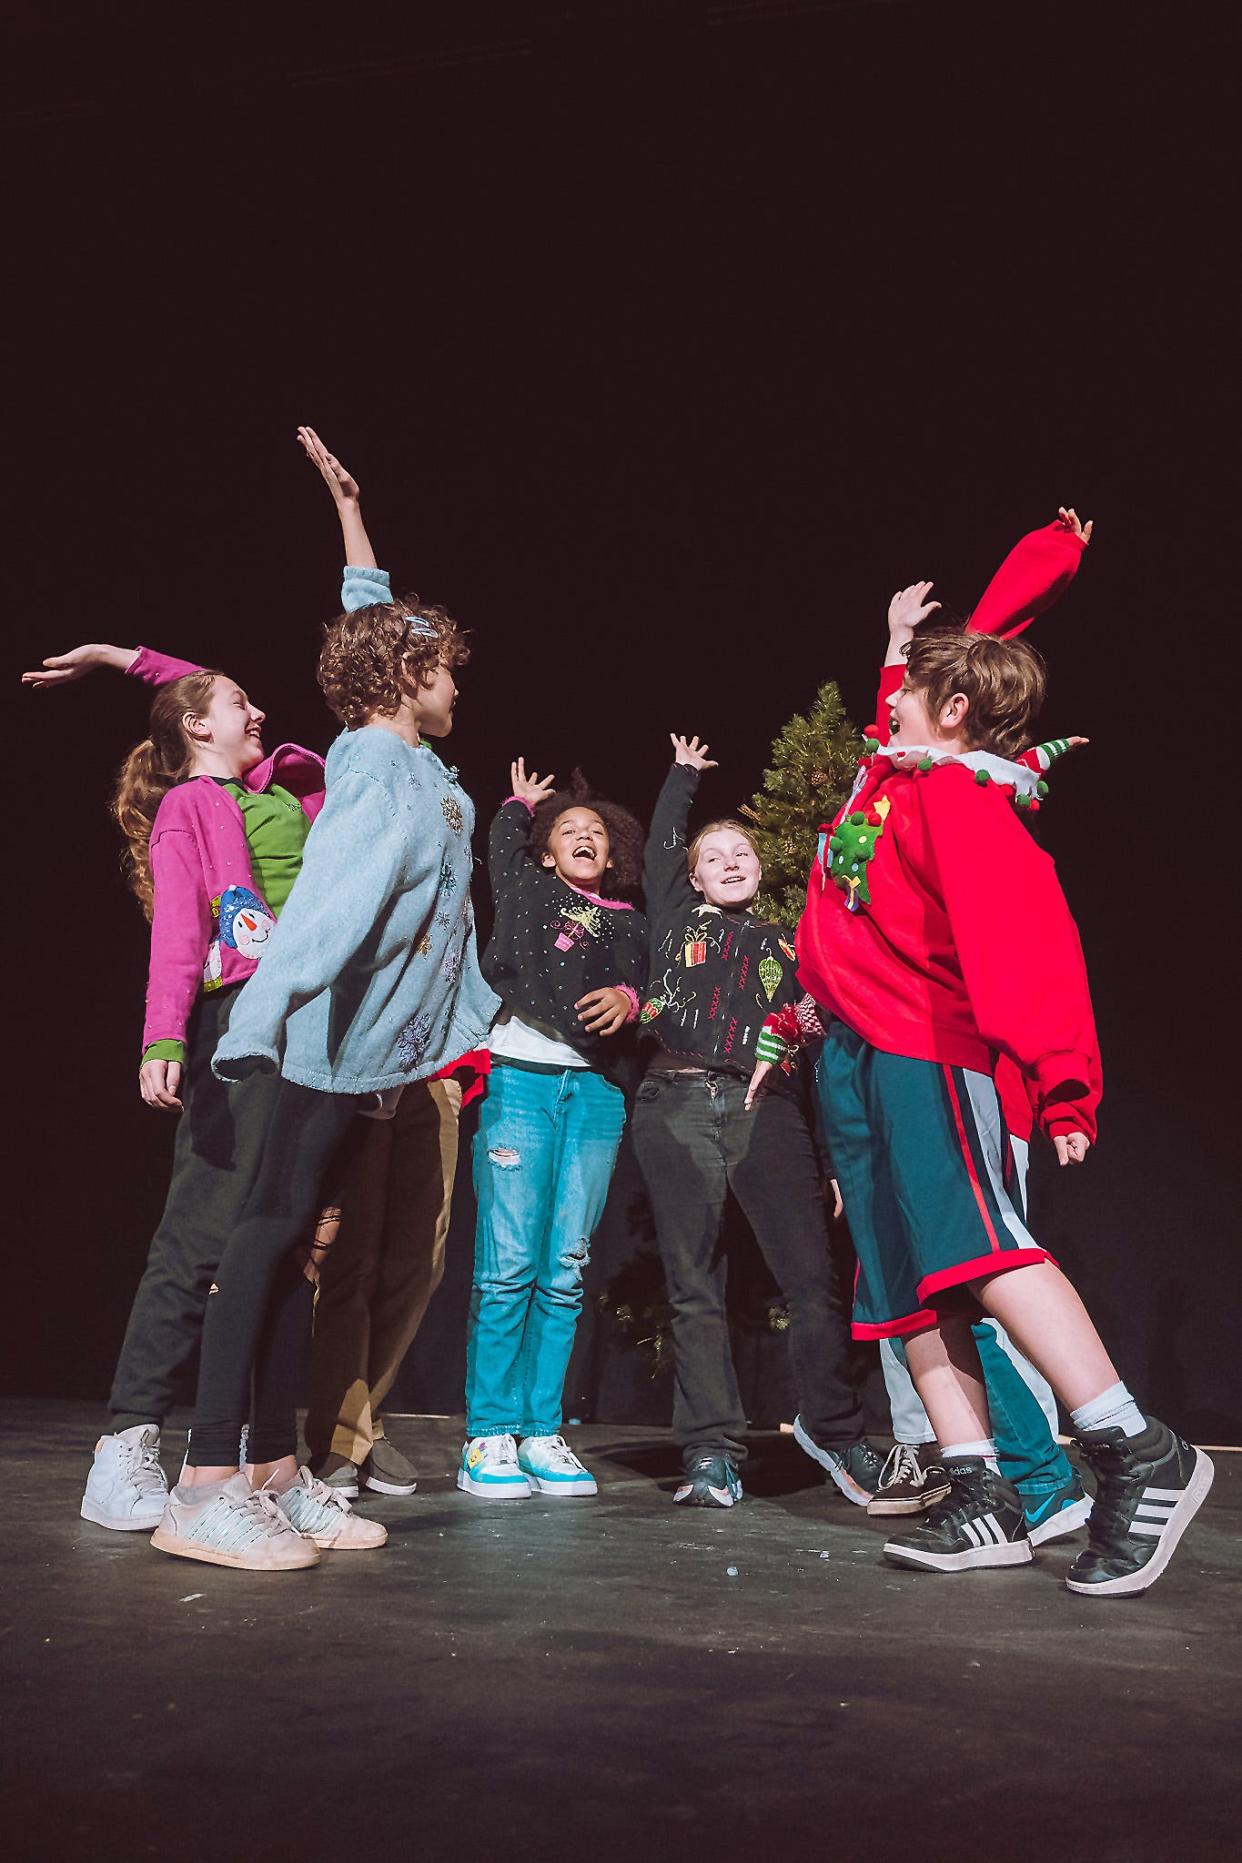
<point x="245" y="925"/>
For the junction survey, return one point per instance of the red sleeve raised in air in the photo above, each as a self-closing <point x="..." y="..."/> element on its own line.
<point x="1038" y="569"/>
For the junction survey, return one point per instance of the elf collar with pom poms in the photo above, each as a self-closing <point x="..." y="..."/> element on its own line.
<point x="1024" y="784"/>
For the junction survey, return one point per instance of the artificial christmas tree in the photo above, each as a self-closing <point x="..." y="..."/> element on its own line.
<point x="814" y="762"/>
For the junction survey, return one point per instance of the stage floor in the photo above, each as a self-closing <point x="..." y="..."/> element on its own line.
<point x="616" y="1677"/>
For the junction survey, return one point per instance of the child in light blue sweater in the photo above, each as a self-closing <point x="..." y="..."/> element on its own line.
<point x="374" y="983"/>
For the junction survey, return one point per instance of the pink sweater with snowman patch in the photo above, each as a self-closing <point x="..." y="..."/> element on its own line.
<point x="210" y="924"/>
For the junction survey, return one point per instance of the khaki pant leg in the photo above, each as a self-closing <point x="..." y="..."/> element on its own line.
<point x="420" y="1202"/>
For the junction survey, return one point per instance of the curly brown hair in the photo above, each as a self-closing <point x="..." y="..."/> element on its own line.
<point x="1004" y="680"/>
<point x="366" y="655"/>
<point x="152" y="768"/>
<point x="625" y="835"/>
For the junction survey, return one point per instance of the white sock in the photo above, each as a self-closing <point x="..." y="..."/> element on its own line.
<point x="1113" y="1409"/>
<point x="985" y="1447"/>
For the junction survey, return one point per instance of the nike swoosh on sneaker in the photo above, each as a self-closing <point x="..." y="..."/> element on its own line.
<point x="1035" y="1514"/>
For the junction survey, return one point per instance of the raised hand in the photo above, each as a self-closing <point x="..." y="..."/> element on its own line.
<point x="533" y="788"/>
<point x="908" y="609"/>
<point x="342" y="485"/>
<point x="603" y="1012"/>
<point x="693" y="754"/>
<point x="61" y="669"/>
<point x="1070" y="520"/>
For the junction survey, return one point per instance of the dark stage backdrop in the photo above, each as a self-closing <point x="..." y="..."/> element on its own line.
<point x="665" y="340"/>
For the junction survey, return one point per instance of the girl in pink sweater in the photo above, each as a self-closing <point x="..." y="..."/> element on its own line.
<point x="214" y="830"/>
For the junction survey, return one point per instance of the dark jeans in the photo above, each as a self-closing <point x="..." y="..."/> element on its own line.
<point x="215" y="1157"/>
<point x="256" y="1326"/>
<point x="695" y="1142"/>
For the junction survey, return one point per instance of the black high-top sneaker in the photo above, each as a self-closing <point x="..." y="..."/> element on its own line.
<point x="1148" y="1490"/>
<point x="980" y="1521"/>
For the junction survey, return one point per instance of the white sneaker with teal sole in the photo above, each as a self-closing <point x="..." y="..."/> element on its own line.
<point x="551" y="1467"/>
<point x="489" y="1469"/>
<point x="234" y="1525"/>
<point x="126" y="1488"/>
<point x="324" y="1515"/>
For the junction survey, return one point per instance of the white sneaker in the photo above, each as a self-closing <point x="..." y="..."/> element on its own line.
<point x="126" y="1488"/>
<point x="324" y="1515"/>
<point x="235" y="1525"/>
<point x="489" y="1468"/>
<point x="551" y="1466"/>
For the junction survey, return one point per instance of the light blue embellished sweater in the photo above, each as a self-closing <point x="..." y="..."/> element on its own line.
<point x="371" y="977"/>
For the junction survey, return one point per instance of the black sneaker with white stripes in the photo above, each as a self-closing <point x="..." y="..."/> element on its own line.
<point x="1148" y="1490"/>
<point x="980" y="1521"/>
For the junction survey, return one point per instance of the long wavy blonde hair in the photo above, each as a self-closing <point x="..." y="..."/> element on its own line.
<point x="152" y="768"/>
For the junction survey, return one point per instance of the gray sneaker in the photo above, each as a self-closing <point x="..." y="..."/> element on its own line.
<point x="339" y="1474"/>
<point x="386" y="1470"/>
<point x="126" y="1488"/>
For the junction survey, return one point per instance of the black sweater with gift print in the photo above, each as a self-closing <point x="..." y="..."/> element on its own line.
<point x="716" y="971"/>
<point x="551" y="945"/>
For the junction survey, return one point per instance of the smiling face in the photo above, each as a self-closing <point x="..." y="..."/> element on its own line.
<point x="726" y="869"/>
<point x="910" y="721"/>
<point x="231" y="727"/>
<point x="578" y="848"/>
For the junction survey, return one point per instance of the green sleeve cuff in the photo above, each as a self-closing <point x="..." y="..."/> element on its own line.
<point x="770" y="1047"/>
<point x="164" y="1051"/>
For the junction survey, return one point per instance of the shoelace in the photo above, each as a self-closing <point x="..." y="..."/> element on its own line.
<point x="560" y="1452"/>
<point x="324" y="1496"/>
<point x="1113" y="1487"/>
<point x="707" y="1465"/>
<point x="142" y="1466"/>
<point x="231" y="1523"/>
<point x="901" y="1464"/>
<point x="498" y="1449"/>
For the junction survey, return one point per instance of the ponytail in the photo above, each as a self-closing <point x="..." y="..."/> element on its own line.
<point x="152" y="768"/>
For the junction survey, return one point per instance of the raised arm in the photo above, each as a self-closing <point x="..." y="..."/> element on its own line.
<point x="907" y="611"/>
<point x="1038" y="569"/>
<point x="345" y="496"/>
<point x="61" y="669"/>
<point x="666" y="882"/>
<point x="508" y="840"/>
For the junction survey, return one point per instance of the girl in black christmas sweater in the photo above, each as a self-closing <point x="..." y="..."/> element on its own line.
<point x="568" y="958"/>
<point x="717" y="971"/>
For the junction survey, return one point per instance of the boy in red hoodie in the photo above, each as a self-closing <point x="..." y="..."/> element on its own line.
<point x="945" y="971"/>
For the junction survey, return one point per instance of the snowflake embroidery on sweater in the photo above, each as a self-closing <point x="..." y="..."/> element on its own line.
<point x="450" y="965"/>
<point x="413" y="1039"/>
<point x="448" y="880"/>
<point x="450" y="808"/>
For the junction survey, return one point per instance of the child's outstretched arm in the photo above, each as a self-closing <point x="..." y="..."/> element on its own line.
<point x="347" y="498"/>
<point x="1038" y="569"/>
<point x="666" y="883"/>
<point x="61" y="669"/>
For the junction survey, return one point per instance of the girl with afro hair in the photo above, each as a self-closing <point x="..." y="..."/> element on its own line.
<point x="567" y="957"/>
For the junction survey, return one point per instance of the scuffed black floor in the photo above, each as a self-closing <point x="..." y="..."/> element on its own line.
<point x="540" y="1679"/>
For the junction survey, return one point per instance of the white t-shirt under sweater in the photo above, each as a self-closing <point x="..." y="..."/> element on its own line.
<point x="518" y="1038"/>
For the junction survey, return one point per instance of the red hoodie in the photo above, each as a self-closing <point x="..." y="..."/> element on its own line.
<point x="962" y="949"/>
